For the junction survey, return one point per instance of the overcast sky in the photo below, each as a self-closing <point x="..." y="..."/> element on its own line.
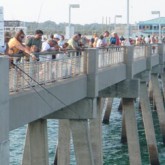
<point x="90" y="11"/>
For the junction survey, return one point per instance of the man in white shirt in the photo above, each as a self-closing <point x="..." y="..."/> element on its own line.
<point x="47" y="46"/>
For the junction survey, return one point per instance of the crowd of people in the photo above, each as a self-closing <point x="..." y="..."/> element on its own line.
<point x="31" y="46"/>
<point x="113" y="39"/>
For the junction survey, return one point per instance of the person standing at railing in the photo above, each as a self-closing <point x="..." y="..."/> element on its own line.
<point x="147" y="39"/>
<point x="122" y="40"/>
<point x="61" y="41"/>
<point x="48" y="45"/>
<point x="16" y="46"/>
<point x="63" y="63"/>
<point x="106" y="38"/>
<point x="95" y="37"/>
<point x="100" y="42"/>
<point x="115" y="40"/>
<point x="73" y="43"/>
<point x="36" y="40"/>
<point x="153" y="39"/>
<point x="47" y="68"/>
<point x="4" y="48"/>
<point x="91" y="42"/>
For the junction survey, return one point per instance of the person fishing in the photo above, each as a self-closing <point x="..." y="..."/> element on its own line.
<point x="16" y="46"/>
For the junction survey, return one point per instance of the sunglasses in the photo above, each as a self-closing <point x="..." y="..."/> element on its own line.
<point x="22" y="36"/>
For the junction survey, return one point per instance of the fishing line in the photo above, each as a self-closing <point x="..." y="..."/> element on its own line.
<point x="43" y="99"/>
<point x="40" y="13"/>
<point x="45" y="90"/>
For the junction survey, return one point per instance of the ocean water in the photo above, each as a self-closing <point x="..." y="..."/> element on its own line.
<point x="114" y="152"/>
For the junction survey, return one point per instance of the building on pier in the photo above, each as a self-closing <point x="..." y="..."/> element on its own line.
<point x="14" y="25"/>
<point x="152" y="26"/>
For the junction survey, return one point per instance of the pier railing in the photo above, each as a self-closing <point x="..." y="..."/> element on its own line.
<point x="67" y="65"/>
<point x="139" y="51"/>
<point x="110" y="56"/>
<point x="29" y="73"/>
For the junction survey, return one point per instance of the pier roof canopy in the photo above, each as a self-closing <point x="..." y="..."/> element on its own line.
<point x="160" y="20"/>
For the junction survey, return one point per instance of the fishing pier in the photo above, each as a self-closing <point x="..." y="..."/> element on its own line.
<point x="73" y="90"/>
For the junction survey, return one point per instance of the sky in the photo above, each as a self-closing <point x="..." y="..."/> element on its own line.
<point x="90" y="11"/>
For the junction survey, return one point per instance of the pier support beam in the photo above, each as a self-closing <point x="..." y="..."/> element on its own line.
<point x="123" y="132"/>
<point x="159" y="104"/>
<point x="148" y="124"/>
<point x="150" y="91"/>
<point x="120" y="106"/>
<point x="163" y="81"/>
<point x="4" y="111"/>
<point x="82" y="142"/>
<point x="63" y="151"/>
<point x="36" y="146"/>
<point x="108" y="110"/>
<point x="96" y="134"/>
<point x="131" y="130"/>
<point x="74" y="111"/>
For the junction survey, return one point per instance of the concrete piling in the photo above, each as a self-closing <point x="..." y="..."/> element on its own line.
<point x="148" y="124"/>
<point x="131" y="131"/>
<point x="108" y="110"/>
<point x="63" y="151"/>
<point x="120" y="106"/>
<point x="96" y="135"/>
<point x="123" y="132"/>
<point x="36" y="145"/>
<point x="159" y="104"/>
<point x="163" y="82"/>
<point x="82" y="142"/>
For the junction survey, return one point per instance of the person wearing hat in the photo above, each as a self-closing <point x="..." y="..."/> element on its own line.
<point x="4" y="48"/>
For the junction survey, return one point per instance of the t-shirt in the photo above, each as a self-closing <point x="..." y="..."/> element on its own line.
<point x="99" y="43"/>
<point x="34" y="41"/>
<point x="72" y="44"/>
<point x="113" y="40"/>
<point x="45" y="47"/>
<point x="12" y="46"/>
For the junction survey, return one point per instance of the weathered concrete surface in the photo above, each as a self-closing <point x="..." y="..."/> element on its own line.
<point x="132" y="133"/>
<point x="36" y="146"/>
<point x="148" y="124"/>
<point x="4" y="111"/>
<point x="82" y="142"/>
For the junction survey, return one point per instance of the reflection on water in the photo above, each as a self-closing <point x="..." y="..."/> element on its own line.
<point x="114" y="153"/>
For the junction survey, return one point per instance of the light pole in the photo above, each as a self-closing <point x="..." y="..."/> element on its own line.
<point x="116" y="16"/>
<point x="71" y="6"/>
<point x="158" y="12"/>
<point x="128" y="32"/>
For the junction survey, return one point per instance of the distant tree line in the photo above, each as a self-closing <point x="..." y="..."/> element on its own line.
<point x="50" y="27"/>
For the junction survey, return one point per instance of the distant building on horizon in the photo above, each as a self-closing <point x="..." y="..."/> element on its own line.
<point x="13" y="26"/>
<point x="152" y="26"/>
